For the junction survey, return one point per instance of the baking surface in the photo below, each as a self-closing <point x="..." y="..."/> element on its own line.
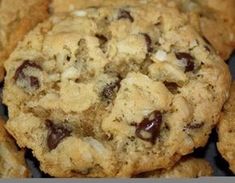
<point x="209" y="152"/>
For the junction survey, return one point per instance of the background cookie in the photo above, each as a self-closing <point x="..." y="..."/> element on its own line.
<point x="17" y="17"/>
<point x="185" y="168"/>
<point x="214" y="19"/>
<point x="108" y="92"/>
<point x="226" y="131"/>
<point x="12" y="163"/>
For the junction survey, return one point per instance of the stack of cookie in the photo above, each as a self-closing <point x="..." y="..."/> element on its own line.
<point x="106" y="88"/>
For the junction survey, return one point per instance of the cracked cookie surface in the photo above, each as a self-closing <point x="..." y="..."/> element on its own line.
<point x="113" y="91"/>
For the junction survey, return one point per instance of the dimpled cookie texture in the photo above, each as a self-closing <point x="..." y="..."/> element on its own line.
<point x="113" y="92"/>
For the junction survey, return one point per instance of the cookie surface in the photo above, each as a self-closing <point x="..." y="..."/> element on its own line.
<point x="215" y="19"/>
<point x="185" y="168"/>
<point x="12" y="163"/>
<point x="16" y="19"/>
<point x="108" y="92"/>
<point x="226" y="131"/>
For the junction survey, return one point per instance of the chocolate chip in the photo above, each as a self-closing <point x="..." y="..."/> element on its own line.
<point x="148" y="129"/>
<point x="123" y="14"/>
<point x="110" y="90"/>
<point x="27" y="80"/>
<point x="171" y="86"/>
<point x="194" y="125"/>
<point x="157" y="24"/>
<point x="101" y="38"/>
<point x="102" y="41"/>
<point x="34" y="82"/>
<point x="68" y="58"/>
<point x="148" y="41"/>
<point x="19" y="72"/>
<point x="188" y="59"/>
<point x="56" y="133"/>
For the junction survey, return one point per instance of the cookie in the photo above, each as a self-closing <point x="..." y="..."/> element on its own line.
<point x="12" y="159"/>
<point x="226" y="131"/>
<point x="113" y="91"/>
<point x="16" y="19"/>
<point x="186" y="168"/>
<point x="215" y="20"/>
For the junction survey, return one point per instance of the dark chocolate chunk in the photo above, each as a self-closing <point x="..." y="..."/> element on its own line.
<point x="150" y="128"/>
<point x="188" y="59"/>
<point x="171" y="86"/>
<point x="123" y="14"/>
<point x="56" y="133"/>
<point x="148" y="41"/>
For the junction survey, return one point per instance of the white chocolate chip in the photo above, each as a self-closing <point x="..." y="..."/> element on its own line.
<point x="100" y="149"/>
<point x="80" y="13"/>
<point x="70" y="73"/>
<point x="161" y="55"/>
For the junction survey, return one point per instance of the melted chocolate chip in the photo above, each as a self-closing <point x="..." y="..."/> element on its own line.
<point x="148" y="41"/>
<point x="171" y="86"/>
<point x="188" y="59"/>
<point x="149" y="126"/>
<point x="20" y="74"/>
<point x="123" y="14"/>
<point x="56" y="133"/>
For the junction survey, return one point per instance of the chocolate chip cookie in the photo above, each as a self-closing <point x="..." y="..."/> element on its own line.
<point x="214" y="19"/>
<point x="16" y="19"/>
<point x="226" y="131"/>
<point x="12" y="163"/>
<point x="113" y="91"/>
<point x="186" y="168"/>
